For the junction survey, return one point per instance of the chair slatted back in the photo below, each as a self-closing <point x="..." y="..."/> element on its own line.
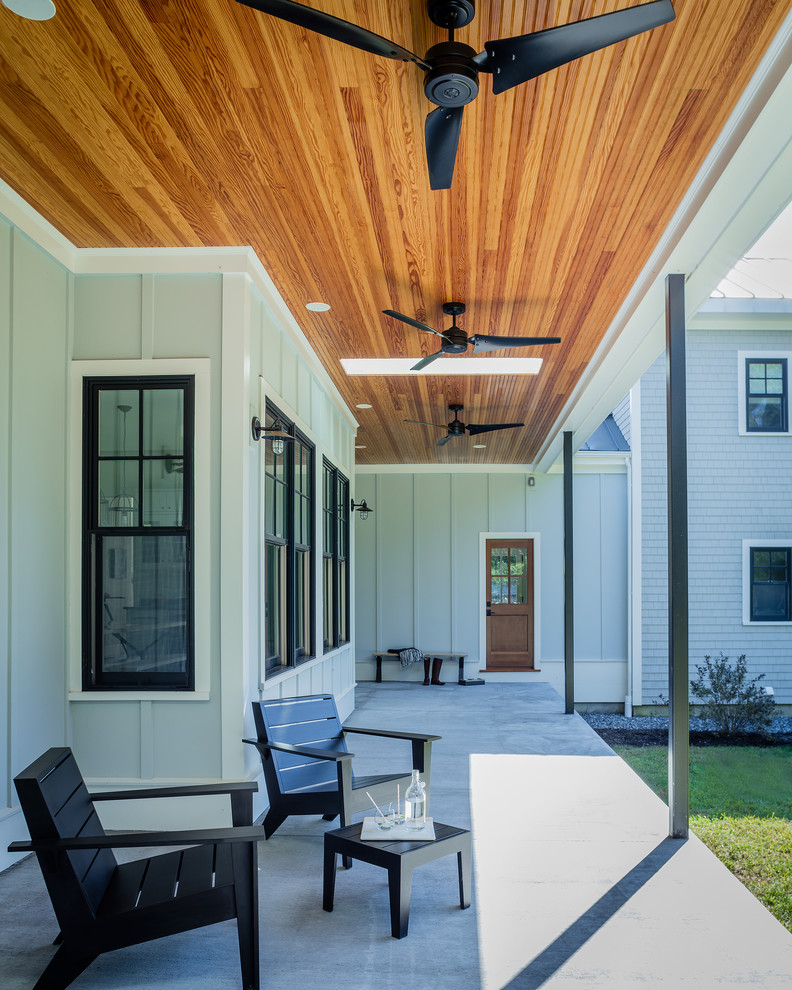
<point x="309" y="721"/>
<point x="56" y="804"/>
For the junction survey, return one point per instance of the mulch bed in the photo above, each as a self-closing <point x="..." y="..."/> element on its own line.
<point x="659" y="737"/>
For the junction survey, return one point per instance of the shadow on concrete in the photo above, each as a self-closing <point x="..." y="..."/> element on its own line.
<point x="579" y="932"/>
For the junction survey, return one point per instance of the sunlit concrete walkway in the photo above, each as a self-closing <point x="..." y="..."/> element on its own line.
<point x="574" y="881"/>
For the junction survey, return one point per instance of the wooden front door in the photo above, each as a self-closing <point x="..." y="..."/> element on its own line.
<point x="510" y="619"/>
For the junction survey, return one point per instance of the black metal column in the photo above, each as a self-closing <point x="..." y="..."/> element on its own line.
<point x="569" y="588"/>
<point x="676" y="433"/>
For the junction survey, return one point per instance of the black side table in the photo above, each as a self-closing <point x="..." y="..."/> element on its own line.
<point x="399" y="858"/>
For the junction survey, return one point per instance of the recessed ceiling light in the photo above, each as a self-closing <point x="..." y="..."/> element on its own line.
<point x="363" y="405"/>
<point x="33" y="10"/>
<point x="466" y="366"/>
<point x="479" y="445"/>
<point x="317" y="307"/>
<point x="360" y="446"/>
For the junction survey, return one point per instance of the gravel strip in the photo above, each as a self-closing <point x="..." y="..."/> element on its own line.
<point x="648" y="723"/>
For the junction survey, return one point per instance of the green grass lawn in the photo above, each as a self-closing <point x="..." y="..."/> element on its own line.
<point x="741" y="807"/>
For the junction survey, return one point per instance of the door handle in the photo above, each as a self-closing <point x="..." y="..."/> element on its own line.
<point x="489" y="611"/>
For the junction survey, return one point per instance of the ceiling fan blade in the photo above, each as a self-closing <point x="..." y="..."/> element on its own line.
<point x="516" y="60"/>
<point x="482" y="343"/>
<point x="473" y="429"/>
<point x="441" y="134"/>
<point x="420" y="422"/>
<point x="334" y="27"/>
<point x="443" y="440"/>
<point x="413" y="323"/>
<point x="425" y="361"/>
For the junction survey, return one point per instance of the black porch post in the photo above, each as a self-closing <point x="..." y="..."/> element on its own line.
<point x="676" y="433"/>
<point x="569" y="594"/>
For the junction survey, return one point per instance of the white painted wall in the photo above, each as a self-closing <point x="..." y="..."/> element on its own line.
<point x="419" y="568"/>
<point x="35" y="328"/>
<point x="126" y="313"/>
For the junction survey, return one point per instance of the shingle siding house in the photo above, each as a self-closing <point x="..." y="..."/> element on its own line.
<point x="739" y="498"/>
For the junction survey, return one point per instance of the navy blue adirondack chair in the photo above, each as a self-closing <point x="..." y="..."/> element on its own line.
<point x="308" y="767"/>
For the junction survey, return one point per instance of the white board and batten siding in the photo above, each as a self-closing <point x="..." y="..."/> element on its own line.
<point x="420" y="566"/>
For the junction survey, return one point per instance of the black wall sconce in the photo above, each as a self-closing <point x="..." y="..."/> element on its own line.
<point x="275" y="433"/>
<point x="362" y="508"/>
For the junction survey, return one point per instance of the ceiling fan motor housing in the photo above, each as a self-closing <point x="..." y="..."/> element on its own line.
<point x="456" y="340"/>
<point x="453" y="78"/>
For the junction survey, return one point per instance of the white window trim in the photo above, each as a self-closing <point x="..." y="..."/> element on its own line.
<point x="747" y="545"/>
<point x="742" y="411"/>
<point x="200" y="369"/>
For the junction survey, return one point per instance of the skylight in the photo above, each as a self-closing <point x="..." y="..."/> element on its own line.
<point x="444" y="366"/>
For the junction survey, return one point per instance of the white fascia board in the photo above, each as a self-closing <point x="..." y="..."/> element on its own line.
<point x="19" y="213"/>
<point x="741" y="188"/>
<point x="443" y="469"/>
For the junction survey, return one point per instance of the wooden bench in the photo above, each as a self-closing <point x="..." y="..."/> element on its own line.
<point x="393" y="655"/>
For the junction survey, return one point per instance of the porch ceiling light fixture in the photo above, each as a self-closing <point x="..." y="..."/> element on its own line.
<point x="33" y="10"/>
<point x="362" y="508"/>
<point x="275" y="433"/>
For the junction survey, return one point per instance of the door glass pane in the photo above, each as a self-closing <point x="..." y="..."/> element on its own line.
<point x="143" y="596"/>
<point x="163" y="502"/>
<point x="119" y="422"/>
<point x="518" y="556"/>
<point x="517" y="586"/>
<point x="163" y="421"/>
<point x="497" y="591"/>
<point x="499" y="560"/>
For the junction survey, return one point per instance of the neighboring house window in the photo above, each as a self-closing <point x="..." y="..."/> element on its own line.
<point x="766" y="397"/>
<point x="137" y="533"/>
<point x="770" y="584"/>
<point x="335" y="564"/>
<point x="288" y="550"/>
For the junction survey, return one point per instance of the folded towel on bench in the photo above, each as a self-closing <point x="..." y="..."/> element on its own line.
<point x="408" y="655"/>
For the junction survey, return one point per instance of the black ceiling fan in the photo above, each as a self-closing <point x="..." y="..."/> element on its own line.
<point x="452" y="68"/>
<point x="456" y="428"/>
<point x="456" y="341"/>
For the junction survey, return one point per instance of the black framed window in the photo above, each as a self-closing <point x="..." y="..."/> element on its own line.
<point x="766" y="397"/>
<point x="288" y="547"/>
<point x="335" y="562"/>
<point x="770" y="584"/>
<point x="137" y="533"/>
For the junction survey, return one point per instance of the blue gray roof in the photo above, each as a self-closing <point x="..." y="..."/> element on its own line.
<point x="607" y="437"/>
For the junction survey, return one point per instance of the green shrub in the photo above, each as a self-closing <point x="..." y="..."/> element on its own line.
<point x="733" y="702"/>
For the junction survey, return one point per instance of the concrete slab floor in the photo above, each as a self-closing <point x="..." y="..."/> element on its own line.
<point x="574" y="881"/>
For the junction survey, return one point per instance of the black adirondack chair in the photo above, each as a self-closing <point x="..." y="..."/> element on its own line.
<point x="103" y="905"/>
<point x="308" y="768"/>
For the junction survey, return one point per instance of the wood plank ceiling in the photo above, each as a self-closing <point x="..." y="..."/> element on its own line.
<point x="162" y="123"/>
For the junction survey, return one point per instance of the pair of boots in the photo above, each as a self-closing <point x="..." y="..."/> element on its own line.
<point x="437" y="663"/>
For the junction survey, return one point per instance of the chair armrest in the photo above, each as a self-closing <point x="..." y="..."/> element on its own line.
<point x="240" y="791"/>
<point x="422" y="736"/>
<point x="318" y="754"/>
<point x="131" y="840"/>
<point x="181" y="790"/>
